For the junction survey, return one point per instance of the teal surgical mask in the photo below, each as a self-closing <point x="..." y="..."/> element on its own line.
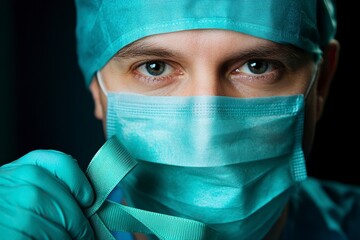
<point x="230" y="163"/>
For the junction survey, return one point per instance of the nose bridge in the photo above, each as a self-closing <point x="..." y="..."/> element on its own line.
<point x="204" y="80"/>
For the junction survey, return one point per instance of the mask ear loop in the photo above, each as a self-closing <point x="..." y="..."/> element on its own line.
<point x="312" y="81"/>
<point x="101" y="83"/>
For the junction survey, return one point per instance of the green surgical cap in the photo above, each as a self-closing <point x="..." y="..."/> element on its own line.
<point x="105" y="26"/>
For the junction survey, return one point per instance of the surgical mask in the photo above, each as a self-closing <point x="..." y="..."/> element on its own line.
<point x="230" y="163"/>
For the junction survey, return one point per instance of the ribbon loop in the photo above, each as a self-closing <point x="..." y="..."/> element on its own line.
<point x="107" y="168"/>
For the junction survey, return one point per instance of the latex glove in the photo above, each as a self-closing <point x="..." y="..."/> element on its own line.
<point x="41" y="197"/>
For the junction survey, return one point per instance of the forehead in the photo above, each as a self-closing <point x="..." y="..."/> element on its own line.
<point x="200" y="36"/>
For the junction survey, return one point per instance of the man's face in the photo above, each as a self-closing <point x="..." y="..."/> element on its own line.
<point x="209" y="62"/>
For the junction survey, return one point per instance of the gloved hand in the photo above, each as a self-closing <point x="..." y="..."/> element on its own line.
<point x="41" y="197"/>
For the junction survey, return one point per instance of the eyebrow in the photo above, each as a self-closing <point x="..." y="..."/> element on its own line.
<point x="289" y="52"/>
<point x="140" y="48"/>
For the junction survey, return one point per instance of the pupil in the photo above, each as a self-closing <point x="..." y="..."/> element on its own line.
<point x="155" y="68"/>
<point x="258" y="67"/>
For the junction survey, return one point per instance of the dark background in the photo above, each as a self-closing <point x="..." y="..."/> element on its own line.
<point x="44" y="103"/>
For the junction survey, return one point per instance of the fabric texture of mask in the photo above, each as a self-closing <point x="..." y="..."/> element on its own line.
<point x="230" y="163"/>
<point x="104" y="27"/>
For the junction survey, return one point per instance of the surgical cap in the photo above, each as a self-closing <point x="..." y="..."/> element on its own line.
<point x="105" y="26"/>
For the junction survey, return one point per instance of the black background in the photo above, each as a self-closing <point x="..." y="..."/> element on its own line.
<point x="45" y="104"/>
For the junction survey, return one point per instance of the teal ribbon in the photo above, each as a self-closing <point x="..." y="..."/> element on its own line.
<point x="107" y="168"/>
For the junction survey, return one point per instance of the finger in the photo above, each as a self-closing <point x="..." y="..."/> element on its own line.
<point x="49" y="199"/>
<point x="23" y="224"/>
<point x="9" y="233"/>
<point x="65" y="168"/>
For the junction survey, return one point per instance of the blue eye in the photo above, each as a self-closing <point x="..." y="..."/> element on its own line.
<point x="257" y="67"/>
<point x="155" y="68"/>
<point x="157" y="73"/>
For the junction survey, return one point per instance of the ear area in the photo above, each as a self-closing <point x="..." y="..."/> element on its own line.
<point x="326" y="75"/>
<point x="96" y="95"/>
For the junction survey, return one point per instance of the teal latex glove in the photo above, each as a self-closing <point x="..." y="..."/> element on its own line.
<point x="41" y="197"/>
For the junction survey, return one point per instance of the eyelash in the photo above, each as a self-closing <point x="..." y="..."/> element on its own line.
<point x="140" y="69"/>
<point x="172" y="72"/>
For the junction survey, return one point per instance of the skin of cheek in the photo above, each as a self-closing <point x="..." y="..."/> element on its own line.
<point x="100" y="103"/>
